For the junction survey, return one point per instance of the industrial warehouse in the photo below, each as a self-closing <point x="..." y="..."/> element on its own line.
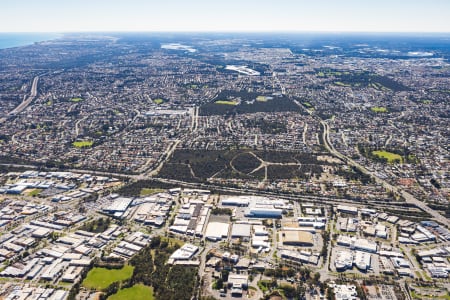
<point x="235" y="233"/>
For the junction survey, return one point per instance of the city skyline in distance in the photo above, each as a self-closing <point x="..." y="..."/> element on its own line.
<point x="225" y="16"/>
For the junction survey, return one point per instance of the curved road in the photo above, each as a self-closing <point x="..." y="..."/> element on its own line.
<point x="407" y="196"/>
<point x="30" y="98"/>
<point x="26" y="102"/>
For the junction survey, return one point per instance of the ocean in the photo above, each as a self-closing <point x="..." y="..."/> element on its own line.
<point x="11" y="40"/>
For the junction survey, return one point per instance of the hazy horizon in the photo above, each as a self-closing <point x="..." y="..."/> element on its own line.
<point x="369" y="33"/>
<point x="328" y="16"/>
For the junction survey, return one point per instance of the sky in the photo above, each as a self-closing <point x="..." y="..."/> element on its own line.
<point x="225" y="15"/>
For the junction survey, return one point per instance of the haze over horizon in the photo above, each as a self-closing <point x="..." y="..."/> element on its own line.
<point x="225" y="16"/>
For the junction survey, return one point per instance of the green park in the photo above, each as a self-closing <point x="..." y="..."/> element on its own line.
<point x="391" y="157"/>
<point x="101" y="278"/>
<point x="136" y="292"/>
<point x="82" y="144"/>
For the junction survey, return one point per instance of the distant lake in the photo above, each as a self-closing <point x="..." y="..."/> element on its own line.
<point x="10" y="40"/>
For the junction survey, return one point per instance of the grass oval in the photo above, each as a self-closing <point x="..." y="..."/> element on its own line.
<point x="136" y="292"/>
<point x="101" y="278"/>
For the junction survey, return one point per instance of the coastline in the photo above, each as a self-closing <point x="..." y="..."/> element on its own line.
<point x="14" y="40"/>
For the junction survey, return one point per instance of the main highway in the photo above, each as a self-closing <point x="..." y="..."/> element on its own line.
<point x="27" y="101"/>
<point x="407" y="196"/>
<point x="153" y="173"/>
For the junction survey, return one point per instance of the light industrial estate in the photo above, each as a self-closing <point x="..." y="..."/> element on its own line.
<point x="208" y="166"/>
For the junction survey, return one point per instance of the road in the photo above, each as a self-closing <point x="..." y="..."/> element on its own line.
<point x="415" y="266"/>
<point x="407" y="196"/>
<point x="166" y="155"/>
<point x="305" y="130"/>
<point x="169" y="151"/>
<point x="77" y="125"/>
<point x="211" y="186"/>
<point x="194" y="123"/>
<point x="27" y="101"/>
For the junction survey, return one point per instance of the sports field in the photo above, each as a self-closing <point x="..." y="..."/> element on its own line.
<point x="391" y="157"/>
<point x="136" y="292"/>
<point x="82" y="144"/>
<point x="379" y="109"/>
<point x="101" y="278"/>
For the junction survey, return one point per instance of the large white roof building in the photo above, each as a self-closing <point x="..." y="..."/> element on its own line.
<point x="217" y="231"/>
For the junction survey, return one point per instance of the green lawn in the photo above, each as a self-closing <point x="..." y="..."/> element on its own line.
<point x="173" y="241"/>
<point x="440" y="91"/>
<point x="76" y="99"/>
<point x="264" y="285"/>
<point x="415" y="295"/>
<point x="226" y="102"/>
<point x="82" y="144"/>
<point x="34" y="192"/>
<point x="101" y="278"/>
<point x="261" y="98"/>
<point x="378" y="86"/>
<point x="379" y="109"/>
<point x="136" y="292"/>
<point x="158" y="101"/>
<point x="146" y="191"/>
<point x="339" y="83"/>
<point x="391" y="157"/>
